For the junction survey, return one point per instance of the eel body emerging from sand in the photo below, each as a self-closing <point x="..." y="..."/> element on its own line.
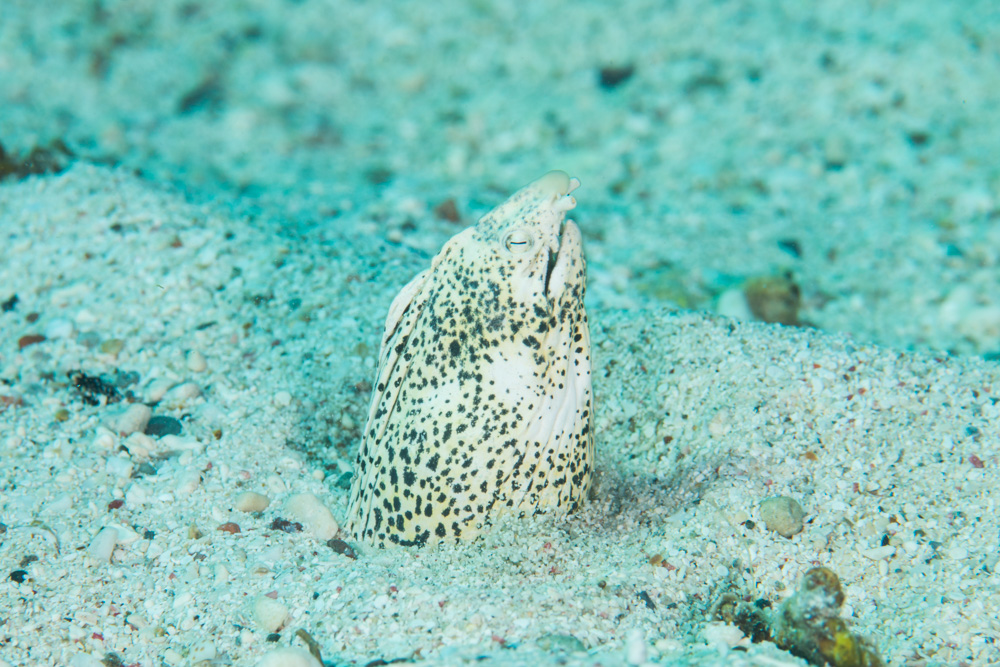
<point x="482" y="402"/>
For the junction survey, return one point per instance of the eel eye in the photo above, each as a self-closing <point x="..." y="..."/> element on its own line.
<point x="518" y="241"/>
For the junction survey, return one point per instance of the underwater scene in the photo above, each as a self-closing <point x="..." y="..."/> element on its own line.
<point x="656" y="332"/>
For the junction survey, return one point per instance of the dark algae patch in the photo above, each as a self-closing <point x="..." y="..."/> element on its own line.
<point x="50" y="159"/>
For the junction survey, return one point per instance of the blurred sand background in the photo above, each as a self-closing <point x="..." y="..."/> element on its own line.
<point x="237" y="193"/>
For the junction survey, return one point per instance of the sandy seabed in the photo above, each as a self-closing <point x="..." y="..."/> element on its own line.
<point x="280" y="169"/>
<point x="261" y="348"/>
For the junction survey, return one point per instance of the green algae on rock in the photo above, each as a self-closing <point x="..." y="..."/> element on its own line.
<point x="774" y="299"/>
<point x="807" y="624"/>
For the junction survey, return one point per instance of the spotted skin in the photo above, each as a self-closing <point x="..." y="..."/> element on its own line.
<point x="482" y="402"/>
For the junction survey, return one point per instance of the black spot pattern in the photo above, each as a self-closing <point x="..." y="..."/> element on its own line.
<point x="482" y="401"/>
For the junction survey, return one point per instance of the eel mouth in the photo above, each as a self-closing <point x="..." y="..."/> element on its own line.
<point x="560" y="186"/>
<point x="561" y="262"/>
<point x="553" y="257"/>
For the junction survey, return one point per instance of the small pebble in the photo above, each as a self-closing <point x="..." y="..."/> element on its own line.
<point x="230" y="527"/>
<point x="879" y="553"/>
<point x="733" y="303"/>
<point x="289" y="657"/>
<point x="172" y="657"/>
<point x="11" y="401"/>
<point x="783" y="515"/>
<point x="104" y="439"/>
<point x="635" y="647"/>
<point x="85" y="660"/>
<point x="30" y="339"/>
<point x="201" y="652"/>
<point x="196" y="361"/>
<point x="58" y="328"/>
<point x="282" y="399"/>
<point x="343" y="548"/>
<point x="127" y="536"/>
<point x="250" y="501"/>
<point x="89" y="339"/>
<point x="207" y="256"/>
<point x="140" y="446"/>
<point x="269" y="614"/>
<point x="188" y="482"/>
<point x="162" y="425"/>
<point x="612" y="76"/>
<point x="307" y="508"/>
<point x="103" y="545"/>
<point x="111" y="347"/>
<point x="286" y="526"/>
<point x="722" y="635"/>
<point x="957" y="553"/>
<point x="447" y="210"/>
<point x="276" y="485"/>
<point x="136" y="495"/>
<point x="134" y="419"/>
<point x="60" y="505"/>
<point x="120" y="466"/>
<point x="836" y="151"/>
<point x="560" y="644"/>
<point x="145" y="468"/>
<point x="958" y="596"/>
<point x="181" y="444"/>
<point x="182" y="393"/>
<point x="774" y="299"/>
<point x="158" y="389"/>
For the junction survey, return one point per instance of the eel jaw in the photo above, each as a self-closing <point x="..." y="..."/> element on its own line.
<point x="559" y="186"/>
<point x="566" y="258"/>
